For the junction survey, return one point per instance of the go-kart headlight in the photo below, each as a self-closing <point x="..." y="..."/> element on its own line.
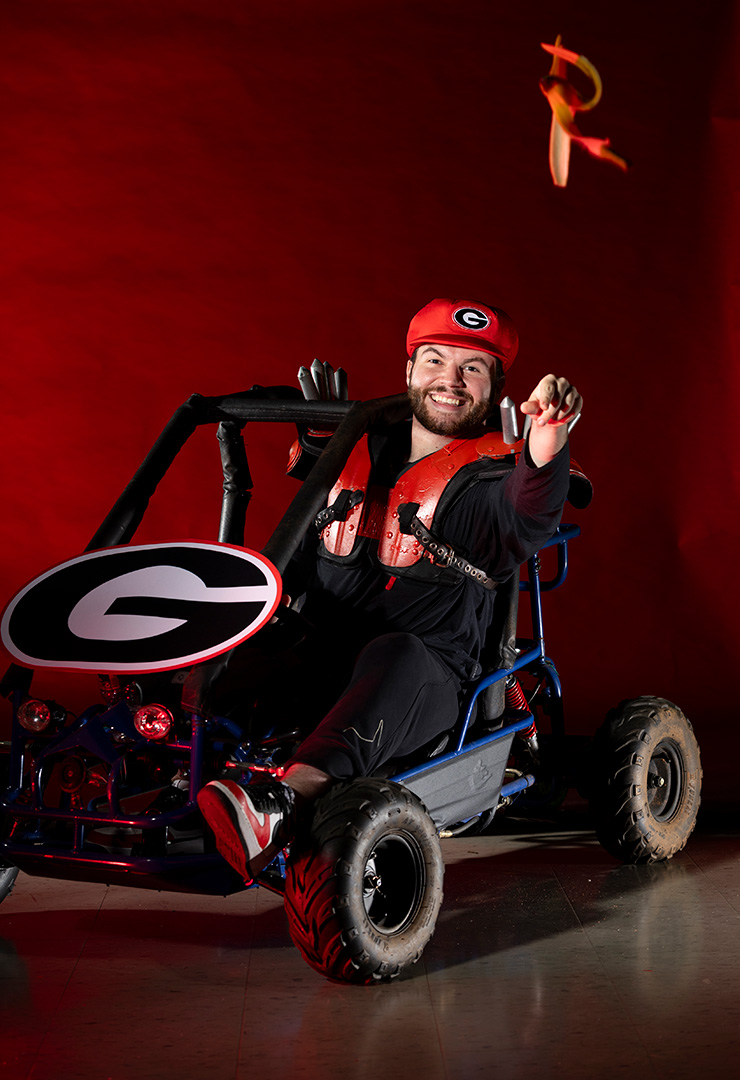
<point x="34" y="715"/>
<point x="153" y="721"/>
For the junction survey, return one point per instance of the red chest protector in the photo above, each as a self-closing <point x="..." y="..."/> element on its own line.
<point x="361" y="512"/>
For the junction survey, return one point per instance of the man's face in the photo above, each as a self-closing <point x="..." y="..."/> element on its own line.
<point x="450" y="389"/>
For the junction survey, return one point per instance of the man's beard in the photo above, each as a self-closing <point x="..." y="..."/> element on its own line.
<point x="466" y="426"/>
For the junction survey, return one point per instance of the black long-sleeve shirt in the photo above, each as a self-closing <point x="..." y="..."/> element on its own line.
<point x="497" y="523"/>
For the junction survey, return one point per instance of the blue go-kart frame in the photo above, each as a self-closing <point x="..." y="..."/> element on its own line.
<point x="439" y="795"/>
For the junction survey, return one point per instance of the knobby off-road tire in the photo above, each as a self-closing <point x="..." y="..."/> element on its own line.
<point x="647" y="780"/>
<point x="364" y="885"/>
<point x="8" y="874"/>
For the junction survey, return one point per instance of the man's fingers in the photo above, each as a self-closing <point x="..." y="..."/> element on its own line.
<point x="571" y="403"/>
<point x="543" y="395"/>
<point x="558" y="405"/>
<point x="564" y="408"/>
<point x="553" y="401"/>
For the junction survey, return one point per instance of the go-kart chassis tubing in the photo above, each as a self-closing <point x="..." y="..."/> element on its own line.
<point x="352" y="419"/>
<point x="532" y="659"/>
<point x="231" y="412"/>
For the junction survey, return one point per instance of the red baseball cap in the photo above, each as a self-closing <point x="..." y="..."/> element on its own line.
<point x="465" y="323"/>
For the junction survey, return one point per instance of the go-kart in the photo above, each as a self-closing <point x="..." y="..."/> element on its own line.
<point x="110" y="795"/>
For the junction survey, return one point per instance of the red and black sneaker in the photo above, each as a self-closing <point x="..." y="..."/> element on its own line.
<point x="251" y="824"/>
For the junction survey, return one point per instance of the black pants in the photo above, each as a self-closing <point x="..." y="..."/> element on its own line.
<point x="400" y="696"/>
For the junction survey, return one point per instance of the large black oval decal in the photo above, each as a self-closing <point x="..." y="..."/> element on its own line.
<point x="148" y="608"/>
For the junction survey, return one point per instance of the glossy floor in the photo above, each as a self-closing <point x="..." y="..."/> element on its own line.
<point x="549" y="960"/>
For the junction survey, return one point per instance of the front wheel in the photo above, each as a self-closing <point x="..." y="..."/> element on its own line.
<point x="364" y="885"/>
<point x="647" y="780"/>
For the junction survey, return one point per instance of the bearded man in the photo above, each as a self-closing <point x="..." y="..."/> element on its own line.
<point x="407" y="624"/>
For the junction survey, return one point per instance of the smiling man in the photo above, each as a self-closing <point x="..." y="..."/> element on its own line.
<point x="450" y="390"/>
<point x="400" y="629"/>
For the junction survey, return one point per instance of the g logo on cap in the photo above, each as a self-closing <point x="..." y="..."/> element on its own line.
<point x="471" y="318"/>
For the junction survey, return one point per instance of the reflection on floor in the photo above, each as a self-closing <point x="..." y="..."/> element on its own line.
<point x="549" y="960"/>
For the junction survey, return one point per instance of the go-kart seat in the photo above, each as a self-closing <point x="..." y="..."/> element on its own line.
<point x="499" y="651"/>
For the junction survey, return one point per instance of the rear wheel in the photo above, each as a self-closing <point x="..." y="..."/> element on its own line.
<point x="364" y="885"/>
<point x="647" y="780"/>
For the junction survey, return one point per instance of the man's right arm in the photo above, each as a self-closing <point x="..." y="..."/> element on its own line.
<point x="552" y="405"/>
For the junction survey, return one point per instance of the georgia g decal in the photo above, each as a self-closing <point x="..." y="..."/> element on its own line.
<point x="470" y="318"/>
<point x="148" y="608"/>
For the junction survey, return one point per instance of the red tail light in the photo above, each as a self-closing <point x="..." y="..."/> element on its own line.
<point x="153" y="721"/>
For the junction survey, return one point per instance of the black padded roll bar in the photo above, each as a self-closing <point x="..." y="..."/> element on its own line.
<point x="351" y="419"/>
<point x="237" y="482"/>
<point x="125" y="516"/>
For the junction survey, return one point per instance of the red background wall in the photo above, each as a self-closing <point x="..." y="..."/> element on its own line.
<point x="204" y="194"/>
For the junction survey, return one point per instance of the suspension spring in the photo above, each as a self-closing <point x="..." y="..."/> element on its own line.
<point x="515" y="699"/>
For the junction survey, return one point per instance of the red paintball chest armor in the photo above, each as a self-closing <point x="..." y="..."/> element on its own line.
<point x="375" y="514"/>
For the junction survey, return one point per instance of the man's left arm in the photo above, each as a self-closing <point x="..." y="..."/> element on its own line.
<point x="552" y="405"/>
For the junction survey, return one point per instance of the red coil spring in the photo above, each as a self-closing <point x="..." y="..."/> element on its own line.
<point x="515" y="699"/>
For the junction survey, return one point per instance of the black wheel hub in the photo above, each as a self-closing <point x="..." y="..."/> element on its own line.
<point x="393" y="883"/>
<point x="665" y="780"/>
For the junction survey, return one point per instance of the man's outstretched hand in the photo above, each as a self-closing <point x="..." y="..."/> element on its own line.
<point x="552" y="405"/>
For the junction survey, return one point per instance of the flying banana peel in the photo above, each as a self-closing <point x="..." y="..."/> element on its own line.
<point x="565" y="101"/>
